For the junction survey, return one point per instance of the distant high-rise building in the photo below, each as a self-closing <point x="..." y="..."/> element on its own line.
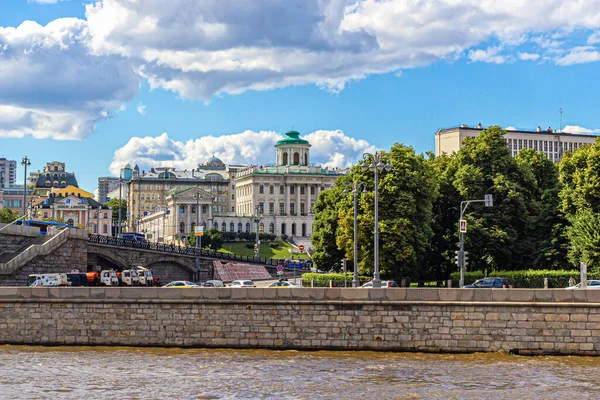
<point x="8" y="172"/>
<point x="106" y="184"/>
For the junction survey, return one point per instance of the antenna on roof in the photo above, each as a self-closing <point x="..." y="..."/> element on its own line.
<point x="560" y="110"/>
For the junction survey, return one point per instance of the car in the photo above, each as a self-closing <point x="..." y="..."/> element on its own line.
<point x="181" y="284"/>
<point x="384" y="284"/>
<point x="491" y="282"/>
<point x="206" y="284"/>
<point x="591" y="284"/>
<point x="285" y="284"/>
<point x="216" y="283"/>
<point x="242" y="284"/>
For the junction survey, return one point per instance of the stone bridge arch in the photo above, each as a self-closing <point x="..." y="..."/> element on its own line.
<point x="95" y="253"/>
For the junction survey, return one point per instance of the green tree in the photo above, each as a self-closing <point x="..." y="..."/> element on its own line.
<point x="326" y="254"/>
<point x="405" y="212"/>
<point x="212" y="239"/>
<point x="545" y="239"/>
<point x="441" y="257"/>
<point x="114" y="206"/>
<point x="7" y="216"/>
<point x="496" y="237"/>
<point x="580" y="203"/>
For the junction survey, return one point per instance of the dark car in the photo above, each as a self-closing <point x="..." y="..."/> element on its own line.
<point x="492" y="282"/>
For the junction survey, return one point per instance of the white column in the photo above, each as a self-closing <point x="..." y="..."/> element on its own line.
<point x="297" y="200"/>
<point x="188" y="218"/>
<point x="287" y="199"/>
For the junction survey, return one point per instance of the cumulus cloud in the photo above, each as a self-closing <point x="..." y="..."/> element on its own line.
<point x="329" y="148"/>
<point x="51" y="86"/>
<point x="198" y="48"/>
<point x="581" y="130"/>
<point x="59" y="80"/>
<point x="510" y="128"/>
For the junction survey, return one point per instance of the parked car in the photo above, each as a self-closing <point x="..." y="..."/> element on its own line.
<point x="491" y="282"/>
<point x="384" y="284"/>
<point x="591" y="284"/>
<point x="242" y="284"/>
<point x="181" y="284"/>
<point x="216" y="283"/>
<point x="206" y="284"/>
<point x="285" y="284"/>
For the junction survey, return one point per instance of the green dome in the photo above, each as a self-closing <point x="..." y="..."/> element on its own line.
<point x="292" y="137"/>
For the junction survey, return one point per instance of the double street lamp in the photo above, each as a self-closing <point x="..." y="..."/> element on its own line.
<point x="355" y="185"/>
<point x="376" y="164"/>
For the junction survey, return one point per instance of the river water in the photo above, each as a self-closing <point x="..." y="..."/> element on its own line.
<point x="142" y="373"/>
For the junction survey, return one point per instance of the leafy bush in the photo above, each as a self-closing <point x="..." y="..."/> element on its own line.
<point x="322" y="280"/>
<point x="527" y="278"/>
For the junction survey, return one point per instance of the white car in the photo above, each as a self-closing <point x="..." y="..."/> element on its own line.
<point x="591" y="284"/>
<point x="242" y="284"/>
<point x="285" y="284"/>
<point x="384" y="284"/>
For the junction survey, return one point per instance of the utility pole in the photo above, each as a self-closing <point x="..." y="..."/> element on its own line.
<point x="462" y="223"/>
<point x="25" y="162"/>
<point x="355" y="187"/>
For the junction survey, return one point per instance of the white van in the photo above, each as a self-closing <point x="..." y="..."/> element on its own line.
<point x="145" y="276"/>
<point x="130" y="277"/>
<point x="47" y="280"/>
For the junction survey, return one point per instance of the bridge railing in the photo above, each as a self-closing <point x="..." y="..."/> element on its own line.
<point x="175" y="249"/>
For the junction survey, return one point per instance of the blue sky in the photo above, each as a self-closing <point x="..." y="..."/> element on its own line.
<point x="97" y="91"/>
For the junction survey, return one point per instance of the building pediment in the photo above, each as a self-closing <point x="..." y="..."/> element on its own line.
<point x="70" y="201"/>
<point x="192" y="194"/>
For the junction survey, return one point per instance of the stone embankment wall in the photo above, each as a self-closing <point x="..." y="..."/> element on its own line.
<point x="555" y="321"/>
<point x="14" y="237"/>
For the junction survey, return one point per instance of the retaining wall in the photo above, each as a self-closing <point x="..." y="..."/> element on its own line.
<point x="522" y="321"/>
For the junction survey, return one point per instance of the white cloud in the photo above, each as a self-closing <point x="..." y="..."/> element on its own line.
<point x="489" y="55"/>
<point x="510" y="128"/>
<point x="579" y="55"/>
<point x="528" y="56"/>
<point x="52" y="87"/>
<point x="329" y="148"/>
<point x="581" y="130"/>
<point x="594" y="38"/>
<point x="141" y="108"/>
<point x="198" y="48"/>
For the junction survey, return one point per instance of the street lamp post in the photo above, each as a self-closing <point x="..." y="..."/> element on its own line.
<point x="25" y="162"/>
<point x="462" y="224"/>
<point x="376" y="165"/>
<point x="119" y="233"/>
<point x="355" y="185"/>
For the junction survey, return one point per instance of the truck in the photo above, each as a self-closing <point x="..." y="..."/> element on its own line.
<point x="130" y="277"/>
<point x="145" y="276"/>
<point x="58" y="279"/>
<point x="107" y="277"/>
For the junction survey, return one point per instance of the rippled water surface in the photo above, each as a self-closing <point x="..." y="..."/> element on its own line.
<point x="127" y="373"/>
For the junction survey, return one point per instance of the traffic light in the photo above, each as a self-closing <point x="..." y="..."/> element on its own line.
<point x="466" y="258"/>
<point x="457" y="257"/>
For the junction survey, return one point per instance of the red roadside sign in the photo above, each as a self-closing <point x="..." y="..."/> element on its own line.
<point x="301" y="247"/>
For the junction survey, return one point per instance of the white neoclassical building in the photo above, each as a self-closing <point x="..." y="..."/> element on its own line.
<point x="280" y="197"/>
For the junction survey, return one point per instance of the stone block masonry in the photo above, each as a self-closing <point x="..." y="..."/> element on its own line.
<point x="450" y="320"/>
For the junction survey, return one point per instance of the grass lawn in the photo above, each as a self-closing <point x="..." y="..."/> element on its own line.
<point x="281" y="251"/>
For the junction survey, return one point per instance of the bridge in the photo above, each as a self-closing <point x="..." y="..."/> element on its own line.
<point x="25" y="251"/>
<point x="169" y="262"/>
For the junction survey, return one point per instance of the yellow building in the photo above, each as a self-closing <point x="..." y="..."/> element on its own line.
<point x="71" y="191"/>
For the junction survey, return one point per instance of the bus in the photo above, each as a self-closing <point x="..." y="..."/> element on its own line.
<point x="136" y="237"/>
<point x="44" y="225"/>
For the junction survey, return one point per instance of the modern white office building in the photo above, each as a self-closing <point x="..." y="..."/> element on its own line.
<point x="552" y="143"/>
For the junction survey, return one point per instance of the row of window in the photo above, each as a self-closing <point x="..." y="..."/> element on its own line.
<point x="12" y="203"/>
<point x="232" y="227"/>
<point x="261" y="208"/>
<point x="547" y="146"/>
<point x="261" y="189"/>
<point x="56" y="184"/>
<point x="168" y="186"/>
